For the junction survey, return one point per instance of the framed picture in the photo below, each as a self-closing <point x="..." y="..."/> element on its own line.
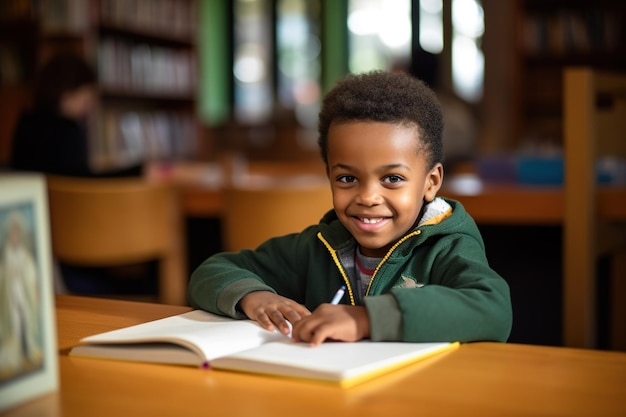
<point x="28" y="346"/>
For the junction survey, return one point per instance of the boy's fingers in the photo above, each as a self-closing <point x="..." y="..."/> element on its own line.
<point x="320" y="333"/>
<point x="318" y="338"/>
<point x="305" y="331"/>
<point x="265" y="322"/>
<point x="293" y="316"/>
<point x="279" y="320"/>
<point x="303" y="311"/>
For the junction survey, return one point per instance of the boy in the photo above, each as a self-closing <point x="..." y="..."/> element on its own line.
<point x="413" y="264"/>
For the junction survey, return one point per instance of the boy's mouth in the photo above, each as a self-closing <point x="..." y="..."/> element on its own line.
<point x="371" y="224"/>
<point x="371" y="220"/>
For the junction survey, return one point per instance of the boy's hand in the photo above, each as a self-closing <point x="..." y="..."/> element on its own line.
<point x="337" y="322"/>
<point x="272" y="311"/>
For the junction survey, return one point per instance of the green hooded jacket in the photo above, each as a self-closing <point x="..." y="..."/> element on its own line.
<point x="434" y="284"/>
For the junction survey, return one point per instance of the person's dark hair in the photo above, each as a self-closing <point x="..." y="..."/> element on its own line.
<point x="61" y="74"/>
<point x="387" y="97"/>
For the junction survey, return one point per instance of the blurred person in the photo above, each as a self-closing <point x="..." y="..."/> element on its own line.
<point x="51" y="137"/>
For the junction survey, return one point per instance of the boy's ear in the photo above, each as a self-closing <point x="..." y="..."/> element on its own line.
<point x="434" y="180"/>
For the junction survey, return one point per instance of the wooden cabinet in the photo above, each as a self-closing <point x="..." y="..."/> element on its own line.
<point x="554" y="34"/>
<point x="145" y="55"/>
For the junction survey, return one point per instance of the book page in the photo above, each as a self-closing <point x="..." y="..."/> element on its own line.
<point x="342" y="362"/>
<point x="209" y="335"/>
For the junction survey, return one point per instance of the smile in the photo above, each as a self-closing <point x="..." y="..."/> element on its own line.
<point x="370" y="224"/>
<point x="371" y="220"/>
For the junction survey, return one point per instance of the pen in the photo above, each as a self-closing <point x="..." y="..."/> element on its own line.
<point x="339" y="295"/>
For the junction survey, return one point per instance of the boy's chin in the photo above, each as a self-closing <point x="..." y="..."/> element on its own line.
<point x="373" y="249"/>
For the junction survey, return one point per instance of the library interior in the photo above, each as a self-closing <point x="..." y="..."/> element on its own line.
<point x="217" y="102"/>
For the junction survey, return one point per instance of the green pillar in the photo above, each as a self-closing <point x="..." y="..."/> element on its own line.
<point x="334" y="41"/>
<point x="213" y="91"/>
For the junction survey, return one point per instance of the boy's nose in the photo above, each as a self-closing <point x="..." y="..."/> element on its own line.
<point x="369" y="195"/>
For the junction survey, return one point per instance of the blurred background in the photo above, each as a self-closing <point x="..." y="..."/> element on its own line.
<point x="199" y="90"/>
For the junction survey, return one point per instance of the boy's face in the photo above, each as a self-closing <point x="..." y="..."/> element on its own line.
<point x="379" y="181"/>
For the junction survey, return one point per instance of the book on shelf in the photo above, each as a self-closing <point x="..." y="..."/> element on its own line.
<point x="64" y="16"/>
<point x="572" y="31"/>
<point x="130" y="136"/>
<point x="174" y="17"/>
<point x="141" y="68"/>
<point x="199" y="338"/>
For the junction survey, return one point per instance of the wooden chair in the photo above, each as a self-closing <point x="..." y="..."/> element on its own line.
<point x="254" y="214"/>
<point x="112" y="222"/>
<point x="594" y="126"/>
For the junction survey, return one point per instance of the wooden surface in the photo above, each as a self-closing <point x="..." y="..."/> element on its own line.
<point x="480" y="379"/>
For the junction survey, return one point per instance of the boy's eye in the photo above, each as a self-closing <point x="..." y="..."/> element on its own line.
<point x="346" y="178"/>
<point x="393" y="179"/>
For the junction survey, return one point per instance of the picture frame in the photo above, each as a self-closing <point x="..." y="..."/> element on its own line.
<point x="28" y="345"/>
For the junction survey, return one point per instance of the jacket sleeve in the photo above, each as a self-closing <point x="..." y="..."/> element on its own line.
<point x="220" y="282"/>
<point x="464" y="300"/>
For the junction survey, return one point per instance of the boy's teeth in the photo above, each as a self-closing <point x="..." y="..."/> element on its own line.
<point x="366" y="220"/>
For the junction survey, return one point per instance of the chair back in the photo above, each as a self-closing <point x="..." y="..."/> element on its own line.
<point x="118" y="221"/>
<point x="253" y="215"/>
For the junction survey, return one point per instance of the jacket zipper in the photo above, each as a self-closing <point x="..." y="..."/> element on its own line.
<point x="333" y="254"/>
<point x="398" y="243"/>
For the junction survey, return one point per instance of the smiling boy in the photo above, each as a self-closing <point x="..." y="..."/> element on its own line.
<point x="414" y="264"/>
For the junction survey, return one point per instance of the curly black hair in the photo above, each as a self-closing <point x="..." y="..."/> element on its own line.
<point x="388" y="97"/>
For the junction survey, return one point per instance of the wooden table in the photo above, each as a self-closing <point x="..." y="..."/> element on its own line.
<point x="479" y="379"/>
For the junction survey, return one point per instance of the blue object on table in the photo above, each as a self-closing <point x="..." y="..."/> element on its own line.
<point x="540" y="170"/>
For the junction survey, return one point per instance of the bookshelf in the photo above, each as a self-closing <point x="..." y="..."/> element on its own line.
<point x="145" y="55"/>
<point x="147" y="66"/>
<point x="553" y="34"/>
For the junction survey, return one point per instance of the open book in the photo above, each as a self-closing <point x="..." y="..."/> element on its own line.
<point x="199" y="338"/>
